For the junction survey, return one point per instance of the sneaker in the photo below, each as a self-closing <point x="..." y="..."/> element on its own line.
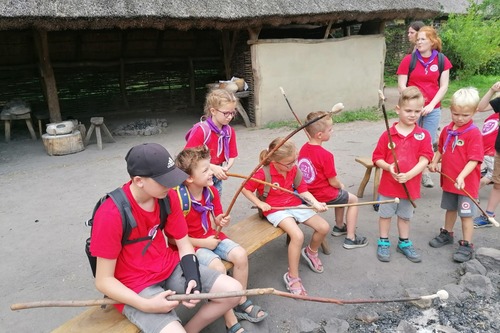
<point x="312" y="260"/>
<point x="465" y="251"/>
<point x="384" y="250"/>
<point x="406" y="248"/>
<point x="427" y="180"/>
<point x="443" y="238"/>
<point x="339" y="231"/>
<point x="482" y="222"/>
<point x="355" y="243"/>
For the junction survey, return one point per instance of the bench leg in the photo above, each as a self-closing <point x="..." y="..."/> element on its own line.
<point x="30" y="128"/>
<point x="376" y="183"/>
<point x="99" y="137"/>
<point x="7" y="130"/>
<point x="87" y="138"/>
<point x="365" y="180"/>
<point x="325" y="247"/>
<point x="107" y="132"/>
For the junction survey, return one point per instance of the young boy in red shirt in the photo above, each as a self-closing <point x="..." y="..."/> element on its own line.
<point x="318" y="170"/>
<point x="143" y="274"/>
<point x="205" y="203"/>
<point x="413" y="149"/>
<point x="460" y="152"/>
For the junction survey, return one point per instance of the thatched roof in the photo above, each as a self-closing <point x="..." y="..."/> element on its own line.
<point x="456" y="6"/>
<point x="196" y="14"/>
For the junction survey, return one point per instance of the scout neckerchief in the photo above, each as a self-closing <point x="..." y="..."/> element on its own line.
<point x="203" y="209"/>
<point x="224" y="136"/>
<point x="455" y="134"/>
<point x="428" y="62"/>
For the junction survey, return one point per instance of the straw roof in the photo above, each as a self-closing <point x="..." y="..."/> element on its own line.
<point x="196" y="14"/>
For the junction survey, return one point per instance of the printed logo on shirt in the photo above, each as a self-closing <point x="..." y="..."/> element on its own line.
<point x="308" y="170"/>
<point x="419" y="136"/>
<point x="391" y="146"/>
<point x="434" y="68"/>
<point x="489" y="126"/>
<point x="460" y="142"/>
<point x="275" y="184"/>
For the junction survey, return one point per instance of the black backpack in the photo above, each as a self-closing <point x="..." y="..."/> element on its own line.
<point x="128" y="221"/>
<point x="413" y="63"/>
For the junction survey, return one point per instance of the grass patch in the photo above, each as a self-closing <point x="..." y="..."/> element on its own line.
<point x="481" y="82"/>
<point x="292" y="124"/>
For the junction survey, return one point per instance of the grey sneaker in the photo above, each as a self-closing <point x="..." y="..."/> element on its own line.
<point x="427" y="180"/>
<point x="443" y="238"/>
<point x="406" y="248"/>
<point x="465" y="251"/>
<point x="482" y="222"/>
<point x="355" y="243"/>
<point x="384" y="250"/>
<point x="339" y="231"/>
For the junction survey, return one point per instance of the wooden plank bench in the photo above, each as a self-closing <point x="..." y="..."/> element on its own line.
<point x="251" y="233"/>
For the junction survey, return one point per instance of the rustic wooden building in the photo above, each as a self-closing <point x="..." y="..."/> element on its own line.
<point x="91" y="56"/>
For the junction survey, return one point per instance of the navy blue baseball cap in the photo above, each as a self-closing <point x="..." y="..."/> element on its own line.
<point x="154" y="161"/>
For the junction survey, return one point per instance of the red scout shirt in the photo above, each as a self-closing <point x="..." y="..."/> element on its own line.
<point x="408" y="149"/>
<point x="134" y="270"/>
<point x="198" y="138"/>
<point x="193" y="219"/>
<point x="469" y="147"/>
<point x="277" y="197"/>
<point x="318" y="165"/>
<point x="490" y="132"/>
<point x="427" y="83"/>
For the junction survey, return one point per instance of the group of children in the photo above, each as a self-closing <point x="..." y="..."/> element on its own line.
<point x="186" y="256"/>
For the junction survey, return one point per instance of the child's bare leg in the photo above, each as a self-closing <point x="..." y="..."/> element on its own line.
<point x="320" y="227"/>
<point x="173" y="327"/>
<point x="494" y="198"/>
<point x="403" y="228"/>
<point x="294" y="247"/>
<point x="339" y="217"/>
<point x="450" y="217"/>
<point x="352" y="217"/>
<point x="214" y="309"/>
<point x="467" y="228"/>
<point x="384" y="225"/>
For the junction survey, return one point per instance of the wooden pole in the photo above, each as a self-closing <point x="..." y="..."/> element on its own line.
<point x="381" y="202"/>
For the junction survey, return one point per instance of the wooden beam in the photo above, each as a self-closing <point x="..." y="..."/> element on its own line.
<point x="47" y="75"/>
<point x="328" y="29"/>
<point x="254" y="32"/>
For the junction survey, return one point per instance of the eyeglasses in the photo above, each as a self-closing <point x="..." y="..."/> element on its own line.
<point x="287" y="165"/>
<point x="227" y="114"/>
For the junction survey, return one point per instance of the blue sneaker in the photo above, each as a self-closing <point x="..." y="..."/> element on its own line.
<point x="482" y="222"/>
<point x="406" y="248"/>
<point x="384" y="250"/>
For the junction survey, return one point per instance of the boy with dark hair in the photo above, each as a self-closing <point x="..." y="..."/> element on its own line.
<point x="141" y="275"/>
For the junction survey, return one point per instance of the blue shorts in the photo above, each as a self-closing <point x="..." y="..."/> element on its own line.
<point x="155" y="322"/>
<point x="205" y="256"/>
<point x="404" y="210"/>
<point x="460" y="203"/>
<point x="300" y="215"/>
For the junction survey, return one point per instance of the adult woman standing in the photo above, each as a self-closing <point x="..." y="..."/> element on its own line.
<point x="427" y="77"/>
<point x="413" y="29"/>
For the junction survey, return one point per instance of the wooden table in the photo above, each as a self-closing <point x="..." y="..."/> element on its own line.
<point x="241" y="109"/>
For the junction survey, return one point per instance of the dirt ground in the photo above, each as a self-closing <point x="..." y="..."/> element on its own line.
<point x="46" y="199"/>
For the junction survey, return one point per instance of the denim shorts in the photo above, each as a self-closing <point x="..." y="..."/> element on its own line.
<point x="461" y="203"/>
<point x="155" y="322"/>
<point x="430" y="122"/>
<point x="205" y="256"/>
<point x="300" y="215"/>
<point x="404" y="210"/>
<point x="342" y="198"/>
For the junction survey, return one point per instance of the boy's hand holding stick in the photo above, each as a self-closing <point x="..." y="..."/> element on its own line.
<point x="391" y="145"/>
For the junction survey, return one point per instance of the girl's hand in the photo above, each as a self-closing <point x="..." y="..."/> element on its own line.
<point x="211" y="242"/>
<point x="191" y="303"/>
<point x="264" y="206"/>
<point x="223" y="221"/>
<point x="320" y="206"/>
<point x="219" y="172"/>
<point x="426" y="110"/>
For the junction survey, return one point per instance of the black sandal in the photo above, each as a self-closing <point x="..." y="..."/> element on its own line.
<point x="253" y="315"/>
<point x="235" y="328"/>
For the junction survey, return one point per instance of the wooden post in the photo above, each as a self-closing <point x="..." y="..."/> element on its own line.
<point x="47" y="75"/>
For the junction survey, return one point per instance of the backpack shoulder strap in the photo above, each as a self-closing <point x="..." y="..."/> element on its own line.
<point x="413" y="63"/>
<point x="267" y="174"/>
<point x="128" y="221"/>
<point x="204" y="127"/>
<point x="164" y="211"/>
<point x="440" y="65"/>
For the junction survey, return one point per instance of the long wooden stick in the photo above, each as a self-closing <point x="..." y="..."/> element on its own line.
<point x="293" y="112"/>
<point x="441" y="294"/>
<point x="281" y="143"/>
<point x="395" y="200"/>
<point x="490" y="218"/>
<point x="391" y="145"/>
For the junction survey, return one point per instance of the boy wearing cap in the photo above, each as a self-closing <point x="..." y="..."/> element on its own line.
<point x="141" y="275"/>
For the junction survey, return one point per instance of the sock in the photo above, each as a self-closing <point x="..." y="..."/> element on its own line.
<point x="492" y="214"/>
<point x="403" y="239"/>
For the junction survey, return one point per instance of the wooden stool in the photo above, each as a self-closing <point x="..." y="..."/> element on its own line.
<point x="7" y="118"/>
<point x="40" y="117"/>
<point x="368" y="164"/>
<point x="96" y="123"/>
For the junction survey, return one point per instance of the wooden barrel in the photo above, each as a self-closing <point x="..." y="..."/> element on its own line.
<point x="63" y="144"/>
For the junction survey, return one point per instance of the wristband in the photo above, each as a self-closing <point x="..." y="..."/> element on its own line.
<point x="191" y="269"/>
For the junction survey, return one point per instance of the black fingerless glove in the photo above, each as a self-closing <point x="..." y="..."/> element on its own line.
<point x="191" y="269"/>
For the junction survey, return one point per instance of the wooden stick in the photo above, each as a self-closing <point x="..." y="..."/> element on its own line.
<point x="395" y="200"/>
<point x="295" y="131"/>
<point x="293" y="112"/>
<point x="490" y="218"/>
<point x="391" y="145"/>
<point x="441" y="294"/>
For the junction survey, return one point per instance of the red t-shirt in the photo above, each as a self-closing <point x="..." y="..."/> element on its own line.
<point x="408" y="150"/>
<point x="427" y="83"/>
<point x="469" y="147"/>
<point x="318" y="165"/>
<point x="193" y="218"/>
<point x="134" y="270"/>
<point x="277" y="197"/>
<point x="198" y="138"/>
<point x="490" y="132"/>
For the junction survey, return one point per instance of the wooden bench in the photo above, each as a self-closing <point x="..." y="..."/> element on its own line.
<point x="368" y="164"/>
<point x="251" y="233"/>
